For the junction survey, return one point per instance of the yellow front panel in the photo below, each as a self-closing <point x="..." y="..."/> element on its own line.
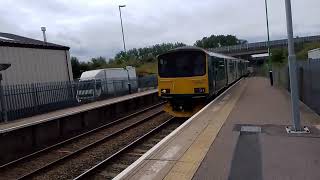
<point x="183" y="85"/>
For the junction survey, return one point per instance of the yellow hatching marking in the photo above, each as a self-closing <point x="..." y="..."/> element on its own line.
<point x="188" y="164"/>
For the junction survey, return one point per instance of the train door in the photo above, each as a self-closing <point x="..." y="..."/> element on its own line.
<point x="211" y="78"/>
<point x="238" y="69"/>
<point x="229" y="71"/>
<point x="242" y="68"/>
<point x="232" y="70"/>
<point x="226" y="71"/>
<point x="235" y="70"/>
<point x="220" y="76"/>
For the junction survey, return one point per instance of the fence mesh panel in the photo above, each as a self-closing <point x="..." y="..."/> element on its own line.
<point x="25" y="100"/>
<point x="308" y="73"/>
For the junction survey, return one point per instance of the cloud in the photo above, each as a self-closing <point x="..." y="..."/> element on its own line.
<point x="92" y="28"/>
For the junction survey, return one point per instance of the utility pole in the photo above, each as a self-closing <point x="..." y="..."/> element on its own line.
<point x="124" y="43"/>
<point x="293" y="76"/>
<point x="268" y="44"/>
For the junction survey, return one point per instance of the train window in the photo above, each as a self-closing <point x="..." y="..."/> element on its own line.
<point x="231" y="65"/>
<point x="220" y="70"/>
<point x="221" y="63"/>
<point x="182" y="64"/>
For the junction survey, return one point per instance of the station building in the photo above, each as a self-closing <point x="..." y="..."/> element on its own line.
<point x="33" y="61"/>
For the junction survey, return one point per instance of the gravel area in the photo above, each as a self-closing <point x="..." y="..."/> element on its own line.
<point x="85" y="160"/>
<point x="128" y="157"/>
<point x="44" y="158"/>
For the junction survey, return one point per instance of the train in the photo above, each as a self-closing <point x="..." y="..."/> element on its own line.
<point x="189" y="77"/>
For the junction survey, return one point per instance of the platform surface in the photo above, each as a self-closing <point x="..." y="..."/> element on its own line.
<point x="211" y="145"/>
<point x="37" y="119"/>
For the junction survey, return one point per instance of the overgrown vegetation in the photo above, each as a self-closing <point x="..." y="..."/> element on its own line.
<point x="280" y="55"/>
<point x="217" y="41"/>
<point x="144" y="59"/>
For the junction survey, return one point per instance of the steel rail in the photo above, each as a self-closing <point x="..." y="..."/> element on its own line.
<point x="91" y="145"/>
<point x="92" y="170"/>
<point x="14" y="162"/>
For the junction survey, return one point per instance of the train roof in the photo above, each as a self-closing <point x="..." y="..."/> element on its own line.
<point x="193" y="48"/>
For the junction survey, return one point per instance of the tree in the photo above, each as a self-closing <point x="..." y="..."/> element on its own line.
<point x="146" y="54"/>
<point x="146" y="57"/>
<point x="76" y="67"/>
<point x="278" y="56"/>
<point x="98" y="62"/>
<point x="215" y="41"/>
<point x="302" y="53"/>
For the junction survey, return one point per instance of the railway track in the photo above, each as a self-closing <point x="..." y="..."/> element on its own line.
<point x="117" y="162"/>
<point x="41" y="161"/>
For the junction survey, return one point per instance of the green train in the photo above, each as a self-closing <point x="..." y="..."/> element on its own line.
<point x="189" y="76"/>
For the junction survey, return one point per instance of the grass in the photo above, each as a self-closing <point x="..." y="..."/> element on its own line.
<point x="147" y="68"/>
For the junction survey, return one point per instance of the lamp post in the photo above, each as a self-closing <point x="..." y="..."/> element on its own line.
<point x="268" y="44"/>
<point x="124" y="43"/>
<point x="4" y="115"/>
<point x="43" y="29"/>
<point x="293" y="76"/>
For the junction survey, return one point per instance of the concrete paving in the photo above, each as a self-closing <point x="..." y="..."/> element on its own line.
<point x="179" y="155"/>
<point x="37" y="119"/>
<point x="239" y="136"/>
<point x="271" y="154"/>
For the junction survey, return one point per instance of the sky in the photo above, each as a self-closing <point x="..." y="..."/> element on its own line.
<point x="92" y="28"/>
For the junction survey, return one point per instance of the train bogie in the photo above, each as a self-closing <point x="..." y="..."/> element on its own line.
<point x="183" y="110"/>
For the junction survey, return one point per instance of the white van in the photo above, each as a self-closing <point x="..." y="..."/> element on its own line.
<point x="111" y="81"/>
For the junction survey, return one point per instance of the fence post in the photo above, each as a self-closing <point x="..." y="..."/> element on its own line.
<point x="129" y="86"/>
<point x="72" y="91"/>
<point x="114" y="89"/>
<point x="3" y="103"/>
<point x="301" y="77"/>
<point x="106" y="87"/>
<point x="35" y="97"/>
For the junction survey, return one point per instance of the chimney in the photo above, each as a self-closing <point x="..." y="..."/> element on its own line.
<point x="43" y="29"/>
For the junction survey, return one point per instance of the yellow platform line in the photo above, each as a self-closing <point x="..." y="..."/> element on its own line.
<point x="188" y="164"/>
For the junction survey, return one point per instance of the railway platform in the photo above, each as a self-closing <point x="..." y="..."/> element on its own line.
<point x="27" y="135"/>
<point x="239" y="135"/>
<point x="37" y="119"/>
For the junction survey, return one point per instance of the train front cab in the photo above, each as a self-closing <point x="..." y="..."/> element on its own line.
<point x="183" y="81"/>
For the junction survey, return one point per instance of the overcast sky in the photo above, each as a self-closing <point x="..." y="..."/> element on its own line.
<point x="92" y="27"/>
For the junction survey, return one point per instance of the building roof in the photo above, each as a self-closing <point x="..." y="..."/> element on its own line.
<point x="312" y="50"/>
<point x="12" y="40"/>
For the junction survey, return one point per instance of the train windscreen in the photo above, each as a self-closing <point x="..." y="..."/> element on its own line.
<point x="182" y="64"/>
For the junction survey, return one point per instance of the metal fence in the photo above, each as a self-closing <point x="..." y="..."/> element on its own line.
<point x="308" y="73"/>
<point x="25" y="100"/>
<point x="147" y="81"/>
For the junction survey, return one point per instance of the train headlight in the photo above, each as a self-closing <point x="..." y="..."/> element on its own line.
<point x="165" y="91"/>
<point x="199" y="90"/>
